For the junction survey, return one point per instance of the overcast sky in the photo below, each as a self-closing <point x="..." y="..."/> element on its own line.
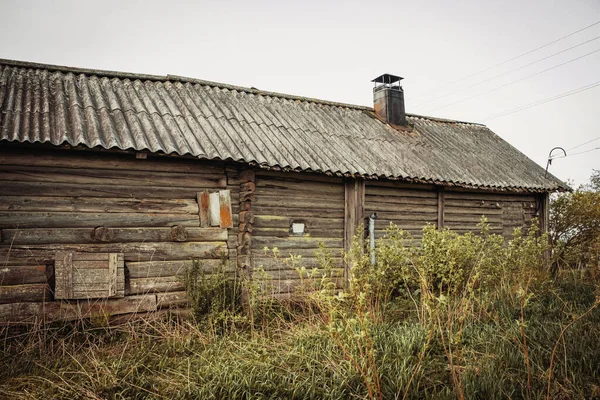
<point x="331" y="50"/>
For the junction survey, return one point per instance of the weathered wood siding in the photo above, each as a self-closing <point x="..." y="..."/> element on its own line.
<point x="281" y="199"/>
<point x="86" y="202"/>
<point x="410" y="207"/>
<point x="504" y="212"/>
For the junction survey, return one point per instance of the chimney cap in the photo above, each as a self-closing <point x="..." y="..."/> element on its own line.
<point x="387" y="79"/>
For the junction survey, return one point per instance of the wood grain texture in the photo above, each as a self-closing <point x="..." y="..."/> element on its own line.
<point x="38" y="292"/>
<point x="56" y="311"/>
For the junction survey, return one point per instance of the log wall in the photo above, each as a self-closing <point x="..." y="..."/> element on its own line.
<point x="105" y="203"/>
<point x="281" y="199"/>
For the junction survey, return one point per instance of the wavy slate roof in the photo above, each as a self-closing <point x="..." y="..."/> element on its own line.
<point x="208" y="120"/>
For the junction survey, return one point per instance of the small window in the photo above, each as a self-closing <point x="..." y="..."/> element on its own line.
<point x="215" y="209"/>
<point x="88" y="275"/>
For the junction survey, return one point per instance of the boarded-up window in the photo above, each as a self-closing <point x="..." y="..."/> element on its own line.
<point x="215" y="209"/>
<point x="89" y="275"/>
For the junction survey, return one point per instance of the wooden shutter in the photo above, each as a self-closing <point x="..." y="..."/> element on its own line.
<point x="88" y="275"/>
<point x="215" y="209"/>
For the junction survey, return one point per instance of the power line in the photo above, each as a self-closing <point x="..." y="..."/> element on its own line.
<point x="537" y="103"/>
<point x="574" y="154"/>
<point x="520" y="55"/>
<point x="518" y="80"/>
<point x="583" y="144"/>
<point x="508" y="72"/>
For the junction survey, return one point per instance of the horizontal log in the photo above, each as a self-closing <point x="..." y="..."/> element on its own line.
<point x="20" y="275"/>
<point x="370" y="200"/>
<point x="155" y="285"/>
<point x="25" y="293"/>
<point x="97" y="176"/>
<point x="297" y="176"/>
<point x="44" y="254"/>
<point x="452" y="209"/>
<point x="399" y="185"/>
<point x="465" y="226"/>
<point x="296" y="242"/>
<point x="152" y="269"/>
<point x="475" y="218"/>
<point x="115" y="235"/>
<point x="267" y="186"/>
<point x="312" y="273"/>
<point x="98" y="205"/>
<point x="311" y="202"/>
<point x="172" y="300"/>
<point x="56" y="311"/>
<point x="277" y="221"/>
<point x="408" y="216"/>
<point x="399" y="208"/>
<point x="285" y="253"/>
<point x="391" y="192"/>
<point x="405" y="225"/>
<point x="309" y="232"/>
<point x="297" y="212"/>
<point x="27" y="219"/>
<point x="488" y="197"/>
<point x="277" y="286"/>
<point x="78" y="160"/>
<point x="14" y="188"/>
<point x="269" y="263"/>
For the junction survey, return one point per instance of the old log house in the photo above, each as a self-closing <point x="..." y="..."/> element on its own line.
<point x="112" y="184"/>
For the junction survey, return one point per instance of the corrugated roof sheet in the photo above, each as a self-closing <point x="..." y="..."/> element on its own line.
<point x="208" y="120"/>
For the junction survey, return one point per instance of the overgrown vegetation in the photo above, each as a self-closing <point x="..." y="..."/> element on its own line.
<point x="454" y="316"/>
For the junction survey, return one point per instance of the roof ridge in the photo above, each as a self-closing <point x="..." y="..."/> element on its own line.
<point x="183" y="79"/>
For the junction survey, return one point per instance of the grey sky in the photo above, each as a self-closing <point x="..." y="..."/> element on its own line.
<point x="331" y="50"/>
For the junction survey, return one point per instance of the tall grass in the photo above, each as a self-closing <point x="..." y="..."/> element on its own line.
<point x="459" y="316"/>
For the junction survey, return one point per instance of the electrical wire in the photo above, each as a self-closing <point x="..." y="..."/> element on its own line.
<point x="508" y="72"/>
<point x="537" y="103"/>
<point x="583" y="144"/>
<point x="574" y="154"/>
<point x="519" y="56"/>
<point x="516" y="81"/>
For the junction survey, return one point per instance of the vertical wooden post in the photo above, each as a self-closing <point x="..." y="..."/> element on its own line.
<point x="247" y="179"/>
<point x="544" y="211"/>
<point x="440" y="210"/>
<point x="354" y="214"/>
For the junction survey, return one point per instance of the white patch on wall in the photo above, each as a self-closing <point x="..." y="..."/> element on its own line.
<point x="298" y="228"/>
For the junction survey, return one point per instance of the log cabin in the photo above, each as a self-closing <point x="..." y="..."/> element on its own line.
<point x="112" y="184"/>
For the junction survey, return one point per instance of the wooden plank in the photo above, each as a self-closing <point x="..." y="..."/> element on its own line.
<point x="112" y="274"/>
<point x="269" y="186"/>
<point x="20" y="275"/>
<point x="488" y="197"/>
<point x="98" y="176"/>
<point x="391" y="192"/>
<point x="377" y="199"/>
<point x="78" y="160"/>
<point x="214" y="211"/>
<point x="440" y="208"/>
<point x="225" y="209"/>
<point x="399" y="185"/>
<point x="25" y="293"/>
<point x="28" y="219"/>
<point x="269" y="263"/>
<point x="63" y="274"/>
<point x="311" y="232"/>
<point x="297" y="176"/>
<point x="279" y="221"/>
<point x="296" y="242"/>
<point x="294" y="212"/>
<point x="136" y="251"/>
<point x="408" y="216"/>
<point x="203" y="206"/>
<point x="151" y="269"/>
<point x="155" y="285"/>
<point x="473" y="210"/>
<point x="172" y="300"/>
<point x="56" y="311"/>
<point x="14" y="188"/>
<point x="311" y="202"/>
<point x="98" y="205"/>
<point x="400" y="208"/>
